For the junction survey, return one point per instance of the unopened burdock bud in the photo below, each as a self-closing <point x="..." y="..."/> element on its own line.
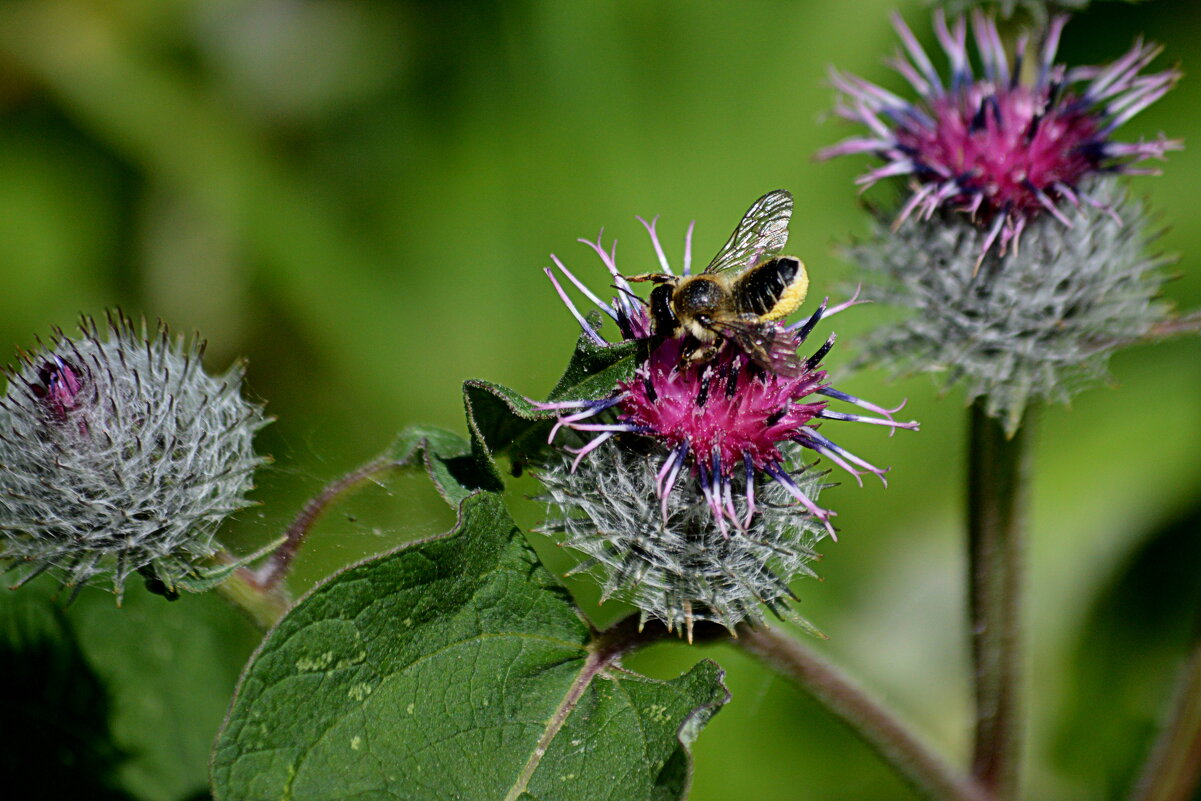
<point x="119" y="454"/>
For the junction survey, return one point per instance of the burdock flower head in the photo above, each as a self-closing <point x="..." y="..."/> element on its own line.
<point x="1008" y="145"/>
<point x="688" y="488"/>
<point x="119" y="454"/>
<point x="1025" y="266"/>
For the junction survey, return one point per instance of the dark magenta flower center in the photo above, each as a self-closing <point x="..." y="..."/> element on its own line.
<point x="725" y="411"/>
<point x="59" y="388"/>
<point x="1005" y="147"/>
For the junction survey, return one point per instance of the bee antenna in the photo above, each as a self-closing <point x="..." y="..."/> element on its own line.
<point x="630" y="293"/>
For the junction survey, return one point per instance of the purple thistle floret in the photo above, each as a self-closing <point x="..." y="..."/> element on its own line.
<point x="993" y="146"/>
<point x="720" y="420"/>
<point x="58" y="388"/>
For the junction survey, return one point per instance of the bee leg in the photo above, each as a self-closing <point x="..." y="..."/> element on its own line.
<point x="697" y="352"/>
<point x="631" y="295"/>
<point x="658" y="278"/>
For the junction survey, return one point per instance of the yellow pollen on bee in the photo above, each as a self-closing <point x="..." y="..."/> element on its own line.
<point x="792" y="296"/>
<point x="698" y="331"/>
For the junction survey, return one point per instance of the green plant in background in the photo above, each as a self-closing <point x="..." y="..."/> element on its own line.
<point x="458" y="666"/>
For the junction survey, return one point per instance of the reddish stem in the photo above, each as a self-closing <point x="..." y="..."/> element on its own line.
<point x="280" y="562"/>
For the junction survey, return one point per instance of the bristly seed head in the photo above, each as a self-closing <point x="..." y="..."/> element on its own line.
<point x="999" y="148"/>
<point x="119" y="454"/>
<point x="669" y="560"/>
<point x="1037" y="325"/>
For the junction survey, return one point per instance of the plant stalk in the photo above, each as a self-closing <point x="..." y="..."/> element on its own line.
<point x="997" y="494"/>
<point x="263" y="606"/>
<point x="868" y="717"/>
<point x="1173" y="769"/>
<point x="280" y="562"/>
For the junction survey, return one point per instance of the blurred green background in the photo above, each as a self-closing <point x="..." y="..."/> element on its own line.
<point x="358" y="197"/>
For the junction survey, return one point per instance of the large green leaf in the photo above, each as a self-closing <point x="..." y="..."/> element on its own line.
<point x="454" y="668"/>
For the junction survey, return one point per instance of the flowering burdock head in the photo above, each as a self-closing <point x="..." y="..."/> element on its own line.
<point x="119" y="454"/>
<point x="1001" y="148"/>
<point x="713" y="449"/>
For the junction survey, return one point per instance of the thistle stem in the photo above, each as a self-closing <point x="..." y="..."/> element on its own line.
<point x="868" y="717"/>
<point x="873" y="722"/>
<point x="997" y="470"/>
<point x="1173" y="769"/>
<point x="263" y="606"/>
<point x="280" y="562"/>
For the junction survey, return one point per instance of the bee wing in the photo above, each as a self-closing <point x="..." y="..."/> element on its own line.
<point x="762" y="233"/>
<point x="768" y="345"/>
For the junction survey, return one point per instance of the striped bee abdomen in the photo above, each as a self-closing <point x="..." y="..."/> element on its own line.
<point x="772" y="289"/>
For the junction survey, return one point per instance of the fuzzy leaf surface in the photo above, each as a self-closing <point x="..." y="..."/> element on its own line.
<point x="453" y="668"/>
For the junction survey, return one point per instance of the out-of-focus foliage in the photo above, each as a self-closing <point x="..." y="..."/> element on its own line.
<point x="359" y="196"/>
<point x="132" y="696"/>
<point x="66" y="748"/>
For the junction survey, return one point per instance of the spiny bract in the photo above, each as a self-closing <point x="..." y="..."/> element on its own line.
<point x="669" y="558"/>
<point x="1036" y="324"/>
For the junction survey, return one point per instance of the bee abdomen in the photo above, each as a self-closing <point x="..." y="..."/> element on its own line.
<point x="772" y="289"/>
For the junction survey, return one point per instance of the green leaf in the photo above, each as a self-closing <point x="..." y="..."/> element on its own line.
<point x="168" y="671"/>
<point x="454" y="668"/>
<point x="595" y="369"/>
<point x="504" y="421"/>
<point x="448" y="459"/>
<point x="53" y="706"/>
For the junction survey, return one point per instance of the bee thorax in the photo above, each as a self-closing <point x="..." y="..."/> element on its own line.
<point x="699" y="295"/>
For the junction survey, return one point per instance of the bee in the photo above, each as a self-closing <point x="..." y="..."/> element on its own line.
<point x="740" y="295"/>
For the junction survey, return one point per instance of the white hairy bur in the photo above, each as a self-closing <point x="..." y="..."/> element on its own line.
<point x="119" y="454"/>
